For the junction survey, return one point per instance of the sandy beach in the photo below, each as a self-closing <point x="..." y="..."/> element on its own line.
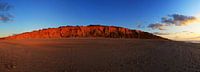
<point x="98" y="55"/>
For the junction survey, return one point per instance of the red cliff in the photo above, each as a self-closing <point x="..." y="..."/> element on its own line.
<point x="85" y="31"/>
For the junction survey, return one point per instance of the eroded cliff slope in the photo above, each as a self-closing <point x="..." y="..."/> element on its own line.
<point x="85" y="31"/>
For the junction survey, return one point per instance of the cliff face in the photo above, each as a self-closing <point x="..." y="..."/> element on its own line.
<point x="85" y="31"/>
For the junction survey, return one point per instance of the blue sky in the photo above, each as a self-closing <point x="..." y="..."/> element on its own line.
<point x="37" y="14"/>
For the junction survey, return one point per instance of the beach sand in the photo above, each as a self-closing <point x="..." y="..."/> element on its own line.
<point x="98" y="55"/>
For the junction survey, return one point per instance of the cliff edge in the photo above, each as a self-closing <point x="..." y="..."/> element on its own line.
<point x="85" y="31"/>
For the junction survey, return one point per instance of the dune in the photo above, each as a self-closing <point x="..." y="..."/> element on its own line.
<point x="98" y="55"/>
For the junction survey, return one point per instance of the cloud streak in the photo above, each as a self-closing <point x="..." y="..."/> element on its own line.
<point x="168" y="33"/>
<point x="174" y="20"/>
<point x="159" y="33"/>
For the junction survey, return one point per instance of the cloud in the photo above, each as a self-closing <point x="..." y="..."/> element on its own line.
<point x="174" y="19"/>
<point x="5" y="6"/>
<point x="182" y="32"/>
<point x="140" y="25"/>
<point x="179" y="20"/>
<point x="159" y="33"/>
<point x="159" y="26"/>
<point x="5" y="16"/>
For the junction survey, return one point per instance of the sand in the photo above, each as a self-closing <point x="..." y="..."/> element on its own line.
<point x="98" y="55"/>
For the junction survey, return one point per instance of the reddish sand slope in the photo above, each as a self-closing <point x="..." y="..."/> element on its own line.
<point x="85" y="31"/>
<point x="98" y="55"/>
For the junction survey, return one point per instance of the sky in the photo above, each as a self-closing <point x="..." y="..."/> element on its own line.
<point x="181" y="16"/>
